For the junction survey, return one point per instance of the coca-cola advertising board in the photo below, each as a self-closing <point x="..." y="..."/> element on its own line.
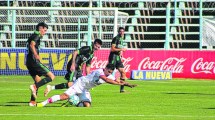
<point x="182" y="64"/>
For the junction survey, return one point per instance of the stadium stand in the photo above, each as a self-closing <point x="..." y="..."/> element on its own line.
<point x="145" y="22"/>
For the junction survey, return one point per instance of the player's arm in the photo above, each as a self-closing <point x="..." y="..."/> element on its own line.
<point x="127" y="84"/>
<point x="87" y="69"/>
<point x="74" y="55"/>
<point x="88" y="64"/>
<point x="110" y="81"/>
<point x="33" y="49"/>
<point x="113" y="47"/>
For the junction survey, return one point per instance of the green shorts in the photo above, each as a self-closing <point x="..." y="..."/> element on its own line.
<point x="37" y="69"/>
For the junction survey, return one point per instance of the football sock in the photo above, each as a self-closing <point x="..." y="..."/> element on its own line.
<point x="61" y="86"/>
<point x="33" y="98"/>
<point x="122" y="86"/>
<point x="51" y="99"/>
<point x="43" y="82"/>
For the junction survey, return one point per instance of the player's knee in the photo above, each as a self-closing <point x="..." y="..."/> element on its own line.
<point x="52" y="77"/>
<point x="69" y="84"/>
<point x="64" y="96"/>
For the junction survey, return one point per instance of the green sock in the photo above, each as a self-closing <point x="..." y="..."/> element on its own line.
<point x="61" y="86"/>
<point x="43" y="82"/>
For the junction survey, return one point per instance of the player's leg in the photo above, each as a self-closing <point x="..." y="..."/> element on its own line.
<point x="32" y="73"/>
<point x="120" y="67"/>
<point x="34" y="90"/>
<point x="53" y="99"/>
<point x="76" y="88"/>
<point x="40" y="69"/>
<point x="70" y="77"/>
<point x="122" y="77"/>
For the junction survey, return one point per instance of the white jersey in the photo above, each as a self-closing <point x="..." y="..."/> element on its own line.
<point x="93" y="79"/>
<point x="85" y="83"/>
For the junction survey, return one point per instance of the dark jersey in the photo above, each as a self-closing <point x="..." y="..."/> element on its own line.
<point x="34" y="66"/>
<point x="114" y="57"/>
<point x="36" y="38"/>
<point x="85" y="55"/>
<point x="118" y="42"/>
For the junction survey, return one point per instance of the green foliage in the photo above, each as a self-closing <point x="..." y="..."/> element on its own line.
<point x="171" y="99"/>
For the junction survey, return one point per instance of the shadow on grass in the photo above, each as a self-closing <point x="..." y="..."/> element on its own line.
<point x="9" y="104"/>
<point x="211" y="108"/>
<point x="183" y="93"/>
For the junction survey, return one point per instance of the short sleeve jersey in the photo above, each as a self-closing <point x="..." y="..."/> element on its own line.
<point x="85" y="55"/>
<point x="118" y="42"/>
<point x="94" y="78"/>
<point x="36" y="38"/>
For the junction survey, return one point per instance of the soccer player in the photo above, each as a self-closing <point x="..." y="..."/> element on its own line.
<point x="35" y="67"/>
<point x="116" y="53"/>
<point x="82" y="85"/>
<point x="74" y="66"/>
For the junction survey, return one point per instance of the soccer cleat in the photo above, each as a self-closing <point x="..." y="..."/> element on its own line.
<point x="32" y="103"/>
<point x="40" y="105"/>
<point x="47" y="90"/>
<point x="33" y="90"/>
<point x="122" y="91"/>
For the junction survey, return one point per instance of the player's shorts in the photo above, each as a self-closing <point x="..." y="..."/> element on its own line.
<point x="76" y="88"/>
<point x="84" y="97"/>
<point x="72" y="76"/>
<point x="37" y="69"/>
<point x="116" y="61"/>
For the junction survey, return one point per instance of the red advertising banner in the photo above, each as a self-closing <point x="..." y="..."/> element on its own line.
<point x="182" y="64"/>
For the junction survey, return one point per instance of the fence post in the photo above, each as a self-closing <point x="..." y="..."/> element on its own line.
<point x="13" y="42"/>
<point x="200" y="24"/>
<point x="166" y="44"/>
<point x="100" y="20"/>
<point x="89" y="40"/>
<point x="79" y="31"/>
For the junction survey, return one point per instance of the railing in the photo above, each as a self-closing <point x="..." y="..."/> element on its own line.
<point x="164" y="24"/>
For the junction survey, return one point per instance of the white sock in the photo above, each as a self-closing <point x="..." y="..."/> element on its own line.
<point x="51" y="99"/>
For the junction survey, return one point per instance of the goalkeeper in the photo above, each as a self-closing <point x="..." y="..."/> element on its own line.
<point x="74" y="66"/>
<point x="82" y="85"/>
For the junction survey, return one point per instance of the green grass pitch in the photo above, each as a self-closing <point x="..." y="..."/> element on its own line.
<point x="177" y="99"/>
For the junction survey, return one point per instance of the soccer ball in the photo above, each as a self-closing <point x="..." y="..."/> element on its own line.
<point x="73" y="100"/>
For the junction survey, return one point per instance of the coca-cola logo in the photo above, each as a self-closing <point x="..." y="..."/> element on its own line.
<point x="102" y="63"/>
<point x="199" y="66"/>
<point x="172" y="64"/>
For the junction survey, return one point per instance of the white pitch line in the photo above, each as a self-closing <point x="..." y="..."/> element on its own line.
<point x="113" y="115"/>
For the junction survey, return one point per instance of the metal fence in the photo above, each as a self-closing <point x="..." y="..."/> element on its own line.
<point x="164" y="24"/>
